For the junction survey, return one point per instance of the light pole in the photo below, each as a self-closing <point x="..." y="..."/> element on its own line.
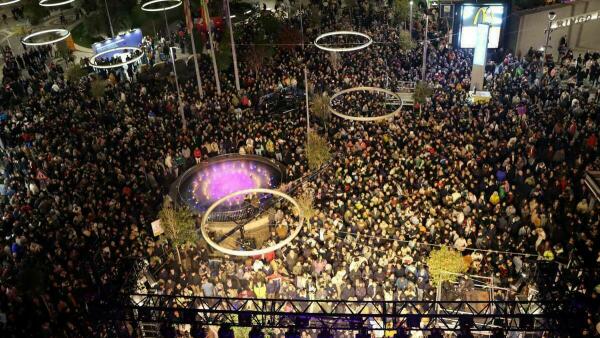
<point x="551" y="18"/>
<point x="410" y="18"/>
<point x="190" y="28"/>
<point x="424" y="67"/>
<point x="307" y="109"/>
<point x="179" y="99"/>
<point x="233" y="53"/>
<point x="175" y="71"/>
<point x="212" y="45"/>
<point x="112" y="32"/>
<point x="167" y="23"/>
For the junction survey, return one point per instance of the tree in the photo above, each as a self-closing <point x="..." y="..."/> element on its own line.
<point x="63" y="51"/>
<point x="258" y="55"/>
<point x="406" y="41"/>
<point x="75" y="73"/>
<point x="97" y="90"/>
<point x="289" y="38"/>
<point x="224" y="52"/>
<point x="422" y="92"/>
<point x="315" y="17"/>
<point x="34" y="12"/>
<point x="402" y="9"/>
<point x="320" y="107"/>
<point x="306" y="201"/>
<point x="95" y="24"/>
<point x="445" y="260"/>
<point x="179" y="226"/>
<point x="317" y="151"/>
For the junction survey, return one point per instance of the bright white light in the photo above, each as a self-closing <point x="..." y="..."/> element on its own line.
<point x="347" y="49"/>
<point x="9" y="2"/>
<point x="146" y="6"/>
<point x="47" y="3"/>
<point x="65" y="34"/>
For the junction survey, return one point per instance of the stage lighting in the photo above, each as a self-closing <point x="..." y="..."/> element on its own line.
<point x="225" y="331"/>
<point x="256" y="332"/>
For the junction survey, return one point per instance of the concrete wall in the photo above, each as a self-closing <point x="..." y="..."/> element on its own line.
<point x="533" y="23"/>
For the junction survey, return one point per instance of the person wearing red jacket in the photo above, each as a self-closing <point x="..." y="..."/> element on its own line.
<point x="197" y="155"/>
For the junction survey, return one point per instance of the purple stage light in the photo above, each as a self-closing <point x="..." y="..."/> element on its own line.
<point x="220" y="177"/>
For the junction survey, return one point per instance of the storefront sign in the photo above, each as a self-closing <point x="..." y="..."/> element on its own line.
<point x="577" y="19"/>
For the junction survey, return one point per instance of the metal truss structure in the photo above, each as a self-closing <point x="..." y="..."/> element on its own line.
<point x="480" y="316"/>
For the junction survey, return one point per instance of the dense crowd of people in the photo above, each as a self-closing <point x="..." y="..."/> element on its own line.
<point x="83" y="178"/>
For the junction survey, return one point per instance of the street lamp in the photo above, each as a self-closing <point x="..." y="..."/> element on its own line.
<point x="551" y="18"/>
<point x="410" y="18"/>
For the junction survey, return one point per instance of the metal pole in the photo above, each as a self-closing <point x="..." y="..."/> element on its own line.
<point x="234" y="54"/>
<point x="179" y="99"/>
<point x="175" y="71"/>
<point x="200" y="91"/>
<point x="307" y="109"/>
<point x="410" y="18"/>
<point x="548" y="32"/>
<point x="301" y="27"/>
<point x="212" y="45"/>
<point x="424" y="68"/>
<point x="112" y="32"/>
<point x="167" y="23"/>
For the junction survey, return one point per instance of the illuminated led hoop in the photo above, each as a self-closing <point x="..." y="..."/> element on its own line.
<point x="133" y="49"/>
<point x="47" y="3"/>
<point x="166" y="8"/>
<point x="65" y="33"/>
<point x="251" y="252"/>
<point x="364" y="118"/>
<point x="343" y="49"/>
<point x="8" y="3"/>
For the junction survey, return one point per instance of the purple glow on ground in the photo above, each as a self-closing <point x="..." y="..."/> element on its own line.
<point x="227" y="180"/>
<point x="223" y="178"/>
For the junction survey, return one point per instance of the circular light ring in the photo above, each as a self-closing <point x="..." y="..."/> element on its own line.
<point x="65" y="34"/>
<point x="365" y="118"/>
<point x="243" y="253"/>
<point x="145" y="6"/>
<point x="10" y="2"/>
<point x="133" y="49"/>
<point x="47" y="3"/>
<point x="343" y="49"/>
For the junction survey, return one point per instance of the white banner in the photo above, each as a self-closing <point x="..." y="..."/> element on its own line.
<point x="577" y="19"/>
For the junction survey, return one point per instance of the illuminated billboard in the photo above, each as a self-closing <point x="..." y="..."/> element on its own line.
<point x="471" y="15"/>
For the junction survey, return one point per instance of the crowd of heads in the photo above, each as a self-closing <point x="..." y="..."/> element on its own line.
<point x="83" y="178"/>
